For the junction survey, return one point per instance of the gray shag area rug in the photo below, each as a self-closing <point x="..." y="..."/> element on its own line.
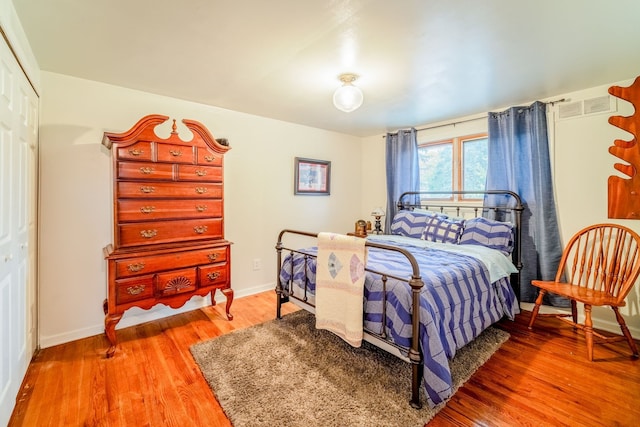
<point x="287" y="373"/>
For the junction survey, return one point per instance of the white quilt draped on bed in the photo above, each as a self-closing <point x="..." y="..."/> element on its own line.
<point x="340" y="286"/>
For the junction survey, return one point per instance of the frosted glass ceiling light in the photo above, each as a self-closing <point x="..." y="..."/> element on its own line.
<point x="347" y="97"/>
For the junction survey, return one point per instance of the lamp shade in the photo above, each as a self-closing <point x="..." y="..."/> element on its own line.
<point x="377" y="212"/>
<point x="347" y="97"/>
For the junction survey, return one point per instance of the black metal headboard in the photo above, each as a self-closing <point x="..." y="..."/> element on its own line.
<point x="502" y="205"/>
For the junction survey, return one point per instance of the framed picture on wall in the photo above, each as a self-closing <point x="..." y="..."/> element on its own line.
<point x="312" y="177"/>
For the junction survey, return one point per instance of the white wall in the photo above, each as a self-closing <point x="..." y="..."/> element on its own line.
<point x="582" y="164"/>
<point x="582" y="167"/>
<point x="76" y="206"/>
<point x="259" y="201"/>
<point x="374" y="178"/>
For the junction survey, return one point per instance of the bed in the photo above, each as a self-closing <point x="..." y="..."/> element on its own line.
<point x="454" y="264"/>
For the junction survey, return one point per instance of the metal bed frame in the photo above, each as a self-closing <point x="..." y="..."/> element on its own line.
<point x="512" y="207"/>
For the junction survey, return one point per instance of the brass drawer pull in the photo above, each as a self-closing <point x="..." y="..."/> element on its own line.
<point x="213" y="256"/>
<point x="175" y="153"/>
<point x="135" y="290"/>
<point x="201" y="172"/>
<point x="147" y="170"/>
<point x="148" y="234"/>
<point x="147" y="189"/>
<point x="201" y="190"/>
<point x="134" y="268"/>
<point x="200" y="229"/>
<point x="147" y="209"/>
<point x="209" y="158"/>
<point x="214" y="275"/>
<point x="201" y="208"/>
<point x="135" y="152"/>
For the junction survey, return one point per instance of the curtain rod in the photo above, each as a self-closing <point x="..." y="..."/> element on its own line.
<point x="439" y="126"/>
<point x="555" y="101"/>
<point x="452" y="124"/>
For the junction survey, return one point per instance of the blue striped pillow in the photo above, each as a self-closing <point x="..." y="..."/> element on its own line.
<point x="410" y="223"/>
<point x="490" y="233"/>
<point x="443" y="230"/>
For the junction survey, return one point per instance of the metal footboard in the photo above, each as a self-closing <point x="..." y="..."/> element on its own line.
<point x="285" y="292"/>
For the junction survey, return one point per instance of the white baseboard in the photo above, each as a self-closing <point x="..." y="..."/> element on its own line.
<point x="598" y="321"/>
<point x="136" y="316"/>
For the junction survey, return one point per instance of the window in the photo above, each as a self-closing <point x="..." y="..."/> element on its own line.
<point x="458" y="164"/>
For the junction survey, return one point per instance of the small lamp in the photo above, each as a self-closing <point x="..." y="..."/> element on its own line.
<point x="347" y="97"/>
<point x="377" y="213"/>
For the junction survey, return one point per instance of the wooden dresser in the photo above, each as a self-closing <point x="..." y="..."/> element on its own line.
<point x="168" y="241"/>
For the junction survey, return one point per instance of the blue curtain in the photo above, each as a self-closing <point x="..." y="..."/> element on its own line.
<point x="403" y="169"/>
<point x="519" y="161"/>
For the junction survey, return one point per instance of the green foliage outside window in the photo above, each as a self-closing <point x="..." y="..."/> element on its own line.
<point x="474" y="166"/>
<point x="441" y="162"/>
<point x="436" y="168"/>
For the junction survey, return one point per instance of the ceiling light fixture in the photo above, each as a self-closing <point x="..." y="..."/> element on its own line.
<point x="347" y="97"/>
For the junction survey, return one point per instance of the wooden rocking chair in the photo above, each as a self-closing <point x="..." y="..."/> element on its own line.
<point x="601" y="263"/>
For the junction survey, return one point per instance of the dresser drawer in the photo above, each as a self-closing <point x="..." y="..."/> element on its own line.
<point x="138" y="151"/>
<point x="206" y="157"/>
<point x="199" y="173"/>
<point x="145" y="210"/>
<point x="174" y="153"/>
<point x="145" y="170"/>
<point x="213" y="275"/>
<point x="143" y="265"/>
<point x="175" y="282"/>
<point x="134" y="289"/>
<point x="156" y="232"/>
<point x="170" y="189"/>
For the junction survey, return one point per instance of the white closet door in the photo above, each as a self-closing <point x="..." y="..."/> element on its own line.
<point x="18" y="169"/>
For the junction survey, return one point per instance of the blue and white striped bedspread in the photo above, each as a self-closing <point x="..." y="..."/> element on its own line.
<point x="457" y="302"/>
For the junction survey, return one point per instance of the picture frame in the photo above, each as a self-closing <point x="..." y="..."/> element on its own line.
<point x="312" y="177"/>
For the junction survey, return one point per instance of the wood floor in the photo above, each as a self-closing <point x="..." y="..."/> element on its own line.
<point x="537" y="378"/>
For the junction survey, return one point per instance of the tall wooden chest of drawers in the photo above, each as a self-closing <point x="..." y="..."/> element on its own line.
<point x="168" y="242"/>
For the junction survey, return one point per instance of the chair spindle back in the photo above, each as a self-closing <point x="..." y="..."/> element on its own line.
<point x="602" y="257"/>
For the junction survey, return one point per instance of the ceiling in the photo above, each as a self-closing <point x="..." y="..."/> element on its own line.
<point x="419" y="61"/>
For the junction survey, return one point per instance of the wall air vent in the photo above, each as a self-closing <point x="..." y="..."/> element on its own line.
<point x="601" y="104"/>
<point x="598" y="105"/>
<point x="570" y="109"/>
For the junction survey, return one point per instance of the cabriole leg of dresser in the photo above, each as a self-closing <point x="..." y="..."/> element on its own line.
<point x="110" y="322"/>
<point x="213" y="296"/>
<point x="228" y="292"/>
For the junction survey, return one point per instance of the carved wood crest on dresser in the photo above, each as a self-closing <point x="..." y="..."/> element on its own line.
<point x="168" y="241"/>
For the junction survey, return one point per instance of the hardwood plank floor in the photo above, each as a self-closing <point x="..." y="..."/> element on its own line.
<point x="537" y="378"/>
